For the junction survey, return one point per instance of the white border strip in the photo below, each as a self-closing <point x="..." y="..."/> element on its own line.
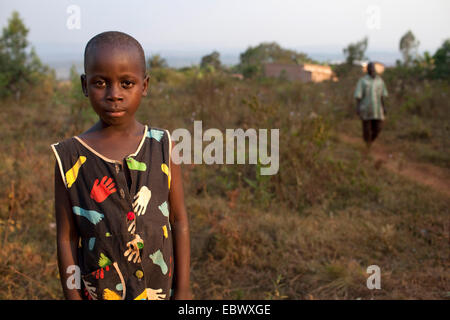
<point x="111" y="160"/>
<point x="58" y="159"/>
<point x="170" y="152"/>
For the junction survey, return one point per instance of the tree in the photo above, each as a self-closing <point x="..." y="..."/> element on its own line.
<point x="211" y="61"/>
<point x="356" y="51"/>
<point x="442" y="61"/>
<point x="423" y="66"/>
<point x="18" y="68"/>
<point x="408" y="47"/>
<point x="253" y="59"/>
<point x="156" y="61"/>
<point x="157" y="66"/>
<point x="79" y="106"/>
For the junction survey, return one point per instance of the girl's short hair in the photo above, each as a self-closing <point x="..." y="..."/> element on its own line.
<point x="117" y="39"/>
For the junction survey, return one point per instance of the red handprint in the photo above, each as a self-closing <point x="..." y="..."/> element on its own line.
<point x="101" y="191"/>
<point x="86" y="293"/>
<point x="100" y="273"/>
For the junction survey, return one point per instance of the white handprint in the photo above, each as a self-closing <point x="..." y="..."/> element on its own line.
<point x="141" y="200"/>
<point x="90" y="289"/>
<point x="132" y="227"/>
<point x="153" y="294"/>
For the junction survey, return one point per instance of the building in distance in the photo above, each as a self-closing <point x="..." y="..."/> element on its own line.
<point x="306" y="72"/>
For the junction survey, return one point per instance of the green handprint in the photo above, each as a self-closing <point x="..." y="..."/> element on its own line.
<point x="158" y="259"/>
<point x="136" y="165"/>
<point x="164" y="208"/>
<point x="103" y="261"/>
<point x="93" y="216"/>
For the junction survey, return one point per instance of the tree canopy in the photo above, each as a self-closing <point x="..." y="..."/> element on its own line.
<point x="211" y="61"/>
<point x="19" y="65"/>
<point x="252" y="60"/>
<point x="442" y="61"/>
<point x="356" y="51"/>
<point x="156" y="61"/>
<point x="408" y="46"/>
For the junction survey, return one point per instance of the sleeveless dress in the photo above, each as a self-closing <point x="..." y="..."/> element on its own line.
<point x="121" y="214"/>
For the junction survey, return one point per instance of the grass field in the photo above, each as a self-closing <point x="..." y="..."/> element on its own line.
<point x="309" y="232"/>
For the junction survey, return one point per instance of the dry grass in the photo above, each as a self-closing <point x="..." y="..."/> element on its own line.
<point x="309" y="232"/>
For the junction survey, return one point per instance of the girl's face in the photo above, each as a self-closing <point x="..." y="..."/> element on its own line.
<point x="115" y="83"/>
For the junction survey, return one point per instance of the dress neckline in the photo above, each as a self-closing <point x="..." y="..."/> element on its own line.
<point x="98" y="154"/>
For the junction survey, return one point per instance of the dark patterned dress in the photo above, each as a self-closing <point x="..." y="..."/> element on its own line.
<point x="121" y="212"/>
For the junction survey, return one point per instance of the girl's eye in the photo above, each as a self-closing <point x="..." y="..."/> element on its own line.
<point x="99" y="83"/>
<point x="127" y="84"/>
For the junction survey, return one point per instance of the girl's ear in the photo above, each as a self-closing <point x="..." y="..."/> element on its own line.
<point x="84" y="84"/>
<point x="145" y="86"/>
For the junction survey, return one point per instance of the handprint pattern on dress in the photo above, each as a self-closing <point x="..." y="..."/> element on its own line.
<point x="158" y="259"/>
<point x="164" y="208"/>
<point x="151" y="294"/>
<point x="72" y="173"/>
<point x="133" y="249"/>
<point x="91" y="243"/>
<point x="135" y="165"/>
<point x="89" y="290"/>
<point x="155" y="134"/>
<point x="110" y="295"/>
<point x="166" y="170"/>
<point x="93" y="216"/>
<point x="132" y="227"/>
<point x="141" y="200"/>
<point x="114" y="220"/>
<point x="101" y="191"/>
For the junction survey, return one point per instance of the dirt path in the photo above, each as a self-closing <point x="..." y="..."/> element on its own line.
<point x="435" y="177"/>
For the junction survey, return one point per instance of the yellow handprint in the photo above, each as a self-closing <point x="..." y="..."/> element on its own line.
<point x="165" y="169"/>
<point x="151" y="294"/>
<point x="110" y="295"/>
<point x="72" y="173"/>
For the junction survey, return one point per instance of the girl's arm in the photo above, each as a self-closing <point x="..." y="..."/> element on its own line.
<point x="180" y="232"/>
<point x="67" y="238"/>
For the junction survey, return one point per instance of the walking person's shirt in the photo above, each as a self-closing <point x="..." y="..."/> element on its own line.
<point x="121" y="212"/>
<point x="370" y="90"/>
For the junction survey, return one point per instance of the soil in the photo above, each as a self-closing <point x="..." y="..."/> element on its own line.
<point x="427" y="174"/>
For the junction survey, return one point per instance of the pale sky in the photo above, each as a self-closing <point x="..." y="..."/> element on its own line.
<point x="236" y="24"/>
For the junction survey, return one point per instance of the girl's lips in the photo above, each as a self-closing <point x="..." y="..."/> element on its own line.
<point x="115" y="113"/>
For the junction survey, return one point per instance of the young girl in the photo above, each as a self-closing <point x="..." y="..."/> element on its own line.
<point x="120" y="214"/>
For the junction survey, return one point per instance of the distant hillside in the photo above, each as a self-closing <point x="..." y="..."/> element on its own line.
<point x="62" y="57"/>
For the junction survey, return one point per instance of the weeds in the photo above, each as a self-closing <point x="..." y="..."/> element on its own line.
<point x="308" y="232"/>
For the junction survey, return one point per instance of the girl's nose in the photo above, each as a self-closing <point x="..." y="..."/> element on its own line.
<point x="114" y="93"/>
